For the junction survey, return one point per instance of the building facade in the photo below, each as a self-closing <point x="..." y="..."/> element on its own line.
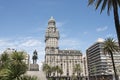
<point x="85" y="68"/>
<point x="65" y="59"/>
<point x="99" y="64"/>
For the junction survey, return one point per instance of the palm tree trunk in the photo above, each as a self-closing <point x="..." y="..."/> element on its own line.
<point x="114" y="69"/>
<point x="57" y="75"/>
<point x="78" y="75"/>
<point x="116" y="20"/>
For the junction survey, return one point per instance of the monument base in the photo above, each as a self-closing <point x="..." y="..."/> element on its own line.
<point x="34" y="67"/>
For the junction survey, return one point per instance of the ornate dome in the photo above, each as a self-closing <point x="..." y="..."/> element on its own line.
<point x="51" y="20"/>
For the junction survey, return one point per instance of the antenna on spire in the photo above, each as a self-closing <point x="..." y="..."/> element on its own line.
<point x="51" y="17"/>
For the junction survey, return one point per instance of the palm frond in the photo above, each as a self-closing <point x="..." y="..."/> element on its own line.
<point x="118" y="2"/>
<point x="91" y="2"/>
<point x="110" y="45"/>
<point x="18" y="56"/>
<point x="4" y="57"/>
<point x="98" y="2"/>
<point x="103" y="5"/>
<point x="109" y="6"/>
<point x="26" y="77"/>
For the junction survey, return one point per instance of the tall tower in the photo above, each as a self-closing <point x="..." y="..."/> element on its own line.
<point x="54" y="57"/>
<point x="51" y="37"/>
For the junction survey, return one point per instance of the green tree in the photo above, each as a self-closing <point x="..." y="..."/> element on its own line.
<point x="26" y="77"/>
<point x="12" y="65"/>
<point x="115" y="4"/>
<point x="47" y="69"/>
<point x="4" y="59"/>
<point x="73" y="77"/>
<point x="4" y="62"/>
<point x="3" y="75"/>
<point x="110" y="47"/>
<point x="17" y="66"/>
<point x="77" y="69"/>
<point x="58" y="70"/>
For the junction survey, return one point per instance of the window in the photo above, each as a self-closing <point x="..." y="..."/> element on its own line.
<point x="67" y="74"/>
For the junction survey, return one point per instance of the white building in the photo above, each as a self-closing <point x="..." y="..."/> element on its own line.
<point x="99" y="64"/>
<point x="85" y="68"/>
<point x="65" y="59"/>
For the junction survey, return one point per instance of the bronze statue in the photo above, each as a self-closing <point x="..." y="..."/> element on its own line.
<point x="35" y="57"/>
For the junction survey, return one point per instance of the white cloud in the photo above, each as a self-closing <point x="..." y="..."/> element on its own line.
<point x="28" y="44"/>
<point x="100" y="29"/>
<point x="100" y="40"/>
<point x="69" y="43"/>
<point x="85" y="33"/>
<point x="63" y="35"/>
<point x="31" y="43"/>
<point x="59" y="24"/>
<point x="111" y="35"/>
<point x="5" y="43"/>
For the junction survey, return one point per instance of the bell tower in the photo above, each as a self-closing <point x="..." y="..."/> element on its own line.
<point x="51" y="37"/>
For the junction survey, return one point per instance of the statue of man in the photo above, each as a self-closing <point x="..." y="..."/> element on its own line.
<point x="35" y="57"/>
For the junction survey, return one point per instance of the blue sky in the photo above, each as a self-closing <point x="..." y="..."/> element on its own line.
<point x="23" y="24"/>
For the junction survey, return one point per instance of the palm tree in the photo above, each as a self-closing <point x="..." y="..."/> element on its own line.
<point x="18" y="56"/>
<point x="26" y="77"/>
<point x="4" y="62"/>
<point x="4" y="58"/>
<point x="3" y="74"/>
<point x="16" y="67"/>
<point x="77" y="69"/>
<point x="110" y="47"/>
<point x="47" y="69"/>
<point x="115" y="4"/>
<point x="58" y="70"/>
<point x="73" y="77"/>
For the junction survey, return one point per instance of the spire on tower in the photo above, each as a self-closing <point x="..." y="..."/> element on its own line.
<point x="51" y="17"/>
<point x="51" y="20"/>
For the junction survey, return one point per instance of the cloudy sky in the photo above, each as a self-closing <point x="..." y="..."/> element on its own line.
<point x="23" y="24"/>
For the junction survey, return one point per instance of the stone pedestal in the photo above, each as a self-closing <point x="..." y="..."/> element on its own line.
<point x="34" y="67"/>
